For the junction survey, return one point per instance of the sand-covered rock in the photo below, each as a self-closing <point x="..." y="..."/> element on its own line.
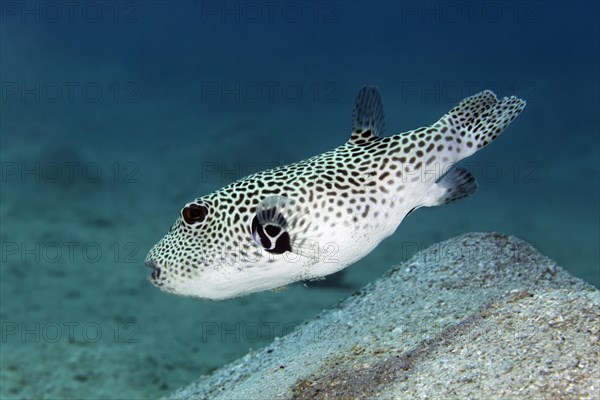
<point x="477" y="316"/>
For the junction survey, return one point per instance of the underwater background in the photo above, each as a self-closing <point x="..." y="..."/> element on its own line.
<point x="115" y="114"/>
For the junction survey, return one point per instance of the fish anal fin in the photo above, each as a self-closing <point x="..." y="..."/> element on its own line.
<point x="457" y="184"/>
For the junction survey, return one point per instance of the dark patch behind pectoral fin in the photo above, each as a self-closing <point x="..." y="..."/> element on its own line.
<point x="279" y="224"/>
<point x="369" y="119"/>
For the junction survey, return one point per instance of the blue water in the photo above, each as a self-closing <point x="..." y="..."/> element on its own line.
<point x="115" y="114"/>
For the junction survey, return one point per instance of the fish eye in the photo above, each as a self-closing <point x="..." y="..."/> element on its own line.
<point x="194" y="213"/>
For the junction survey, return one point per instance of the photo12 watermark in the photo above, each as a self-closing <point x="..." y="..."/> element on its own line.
<point x="266" y="331"/>
<point x="269" y="12"/>
<point x="335" y="332"/>
<point x="470" y="12"/>
<point x="226" y="172"/>
<point x="412" y="171"/>
<point x="69" y="92"/>
<point x="424" y="252"/>
<point x="270" y="92"/>
<point x="453" y="92"/>
<point x="69" y="12"/>
<point x="70" y="252"/>
<point x="68" y="332"/>
<point x="68" y="172"/>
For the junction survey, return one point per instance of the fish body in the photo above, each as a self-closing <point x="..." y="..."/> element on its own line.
<point x="315" y="217"/>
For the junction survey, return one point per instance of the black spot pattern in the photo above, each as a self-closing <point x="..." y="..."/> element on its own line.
<point x="342" y="187"/>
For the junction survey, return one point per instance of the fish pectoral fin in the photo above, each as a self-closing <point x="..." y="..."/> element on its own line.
<point x="282" y="224"/>
<point x="369" y="119"/>
<point x="458" y="183"/>
<point x="271" y="222"/>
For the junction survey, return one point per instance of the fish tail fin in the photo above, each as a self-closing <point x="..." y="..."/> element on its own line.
<point x="479" y="119"/>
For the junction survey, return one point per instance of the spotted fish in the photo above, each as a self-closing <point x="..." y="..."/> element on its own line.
<point x="310" y="219"/>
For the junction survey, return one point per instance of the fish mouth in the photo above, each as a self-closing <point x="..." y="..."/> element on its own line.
<point x="155" y="268"/>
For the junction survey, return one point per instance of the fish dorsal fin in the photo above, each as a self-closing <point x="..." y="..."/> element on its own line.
<point x="369" y="120"/>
